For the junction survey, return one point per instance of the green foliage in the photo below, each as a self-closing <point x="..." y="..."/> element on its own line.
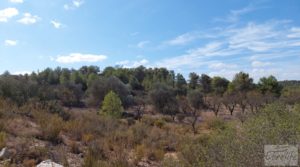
<point x="269" y="85"/>
<point x="194" y="80"/>
<point x="196" y="100"/>
<point x="242" y="82"/>
<point x="216" y="124"/>
<point x="112" y="105"/>
<point x="181" y="85"/>
<point x="2" y="140"/>
<point x="51" y="126"/>
<point x="219" y="85"/>
<point x="243" y="146"/>
<point x="205" y="82"/>
<point x="102" y="86"/>
<point x="164" y="100"/>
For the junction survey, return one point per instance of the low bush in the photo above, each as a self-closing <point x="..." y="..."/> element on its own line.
<point x="51" y="125"/>
<point x="160" y="123"/>
<point x="2" y="140"/>
<point x="216" y="124"/>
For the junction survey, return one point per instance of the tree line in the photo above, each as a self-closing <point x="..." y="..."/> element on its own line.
<point x="169" y="93"/>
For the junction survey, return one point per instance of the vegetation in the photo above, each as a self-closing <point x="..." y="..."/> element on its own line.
<point x="112" y="105"/>
<point x="144" y="116"/>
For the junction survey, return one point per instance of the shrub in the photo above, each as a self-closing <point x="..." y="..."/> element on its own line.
<point x="2" y="140"/>
<point x="95" y="155"/>
<point x="160" y="123"/>
<point x="170" y="161"/>
<point x="156" y="155"/>
<point x="140" y="152"/>
<point x="112" y="105"/>
<point x="216" y="124"/>
<point x="75" y="128"/>
<point x="75" y="148"/>
<point x="29" y="162"/>
<point x="51" y="126"/>
<point x="86" y="138"/>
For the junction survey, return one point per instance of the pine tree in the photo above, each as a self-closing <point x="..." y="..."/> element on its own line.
<point x="112" y="105"/>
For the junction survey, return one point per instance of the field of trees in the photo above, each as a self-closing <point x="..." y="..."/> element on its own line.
<point x="146" y="117"/>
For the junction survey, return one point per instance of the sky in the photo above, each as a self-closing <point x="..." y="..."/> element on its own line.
<point x="219" y="38"/>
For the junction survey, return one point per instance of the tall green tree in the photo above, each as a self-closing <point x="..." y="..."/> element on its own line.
<point x="242" y="82"/>
<point x="181" y="85"/>
<point x="194" y="80"/>
<point x="205" y="82"/>
<point x="219" y="85"/>
<point x="269" y="85"/>
<point x="112" y="105"/>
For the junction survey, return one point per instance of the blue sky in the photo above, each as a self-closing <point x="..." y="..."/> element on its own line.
<point x="261" y="37"/>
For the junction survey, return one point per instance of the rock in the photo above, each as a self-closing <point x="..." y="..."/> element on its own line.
<point x="49" y="163"/>
<point x="3" y="153"/>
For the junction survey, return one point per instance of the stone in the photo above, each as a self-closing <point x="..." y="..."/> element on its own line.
<point x="49" y="163"/>
<point x="3" y="153"/>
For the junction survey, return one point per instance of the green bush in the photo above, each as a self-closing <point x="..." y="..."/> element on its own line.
<point x="160" y="123"/>
<point x="2" y="140"/>
<point x="216" y="124"/>
<point x="112" y="105"/>
<point x="51" y="126"/>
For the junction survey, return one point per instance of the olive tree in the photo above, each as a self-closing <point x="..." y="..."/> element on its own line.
<point x="196" y="101"/>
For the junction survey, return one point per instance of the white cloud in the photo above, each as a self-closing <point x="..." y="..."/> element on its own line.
<point x="220" y="65"/>
<point x="227" y="73"/>
<point x="74" y="4"/>
<point x="194" y="57"/>
<point x="256" y="37"/>
<point x="142" y="44"/>
<point x="29" y="19"/>
<point x="79" y="57"/>
<point x="56" y="24"/>
<point x="140" y="63"/>
<point x="235" y="15"/>
<point x="8" y="13"/>
<point x="132" y="64"/>
<point x="10" y="42"/>
<point x="183" y="39"/>
<point x="21" y="72"/>
<point x="134" y="33"/>
<point x="264" y="44"/>
<point x="123" y="63"/>
<point x="16" y="1"/>
<point x="260" y="64"/>
<point x="294" y="32"/>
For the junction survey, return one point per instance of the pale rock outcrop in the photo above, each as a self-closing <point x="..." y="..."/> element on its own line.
<point x="49" y="163"/>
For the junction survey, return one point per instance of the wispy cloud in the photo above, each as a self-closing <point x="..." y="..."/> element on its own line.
<point x="221" y="65"/>
<point x="16" y="1"/>
<point x="8" y="13"/>
<point x="10" y="42"/>
<point x="249" y="46"/>
<point x="294" y="32"/>
<point x="79" y="57"/>
<point x="142" y="44"/>
<point x="74" y="4"/>
<point x="257" y="64"/>
<point x="183" y="39"/>
<point x="56" y="24"/>
<point x="28" y="18"/>
<point x="133" y="64"/>
<point x="134" y="33"/>
<point x="234" y="15"/>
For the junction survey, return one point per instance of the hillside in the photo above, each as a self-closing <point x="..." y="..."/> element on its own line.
<point x="142" y="117"/>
